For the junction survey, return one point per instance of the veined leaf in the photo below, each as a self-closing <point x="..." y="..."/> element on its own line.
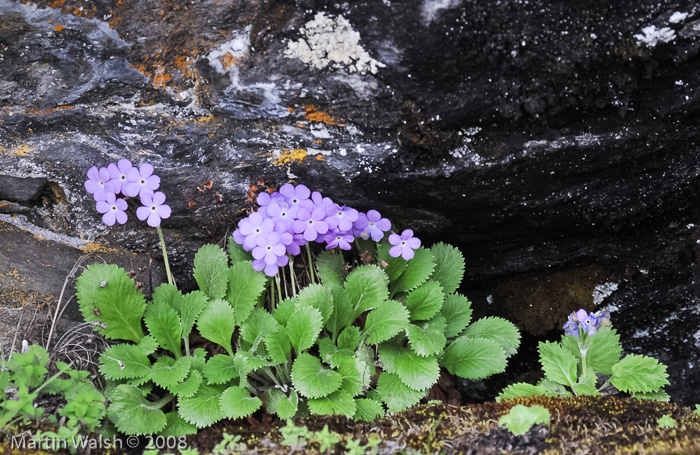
<point x="236" y="253"/>
<point x="134" y="413"/>
<point x="366" y="288"/>
<point x="167" y="293"/>
<point x="349" y="338"/>
<point x="396" y="394"/>
<point x="277" y="402"/>
<point x="220" y="369"/>
<point x="368" y="410"/>
<point x="176" y="426"/>
<point x="124" y="361"/>
<point x="303" y="328"/>
<point x="312" y="379"/>
<point x="189" y="386"/>
<point x="388" y="355"/>
<point x="211" y="271"/>
<point x="604" y="352"/>
<point x="342" y="311"/>
<point x="190" y="307"/>
<point x="340" y="402"/>
<point x="331" y="268"/>
<point x="107" y="290"/>
<point x="236" y="402"/>
<point x="246" y="362"/>
<point x="148" y="345"/>
<point x="558" y="364"/>
<point x="167" y="372"/>
<point x="425" y="301"/>
<point x="217" y="322"/>
<point x="385" y="321"/>
<point x="319" y="297"/>
<point x="259" y="325"/>
<point x="427" y="338"/>
<point x="278" y="347"/>
<point x="503" y="332"/>
<point x="520" y="389"/>
<point x="655" y="396"/>
<point x="449" y="266"/>
<point x="521" y="418"/>
<point x="417" y="372"/>
<point x="458" y="313"/>
<point x="392" y="266"/>
<point x="474" y="358"/>
<point x="330" y="354"/>
<point x="163" y="323"/>
<point x="244" y="287"/>
<point x="202" y="409"/>
<point x="584" y="389"/>
<point x="639" y="373"/>
<point x="352" y="377"/>
<point x="285" y="309"/>
<point x="416" y="273"/>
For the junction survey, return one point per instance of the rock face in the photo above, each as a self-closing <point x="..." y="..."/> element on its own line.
<point x="555" y="143"/>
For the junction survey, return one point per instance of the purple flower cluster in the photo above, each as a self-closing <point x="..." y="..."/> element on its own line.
<point x="122" y="178"/>
<point x="587" y="322"/>
<point x="294" y="216"/>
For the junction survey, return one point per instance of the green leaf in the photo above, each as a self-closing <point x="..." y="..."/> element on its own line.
<point x="330" y="354"/>
<point x="107" y="290"/>
<point x="388" y="354"/>
<point x="697" y="409"/>
<point x="135" y="414"/>
<point x="259" y="325"/>
<point x="236" y="253"/>
<point x="340" y="402"/>
<point x="202" y="409"/>
<point x="638" y="373"/>
<point x="521" y="418"/>
<point x="388" y="319"/>
<point x="349" y="338"/>
<point x="666" y="421"/>
<point x="655" y="396"/>
<point x="425" y="301"/>
<point x="167" y="293"/>
<point x="553" y="389"/>
<point x="368" y="410"/>
<point x="584" y="389"/>
<point x="244" y="287"/>
<point x="124" y="361"/>
<point x="167" y="372"/>
<point x="366" y="288"/>
<point x="427" y="338"/>
<point x="312" y="379"/>
<point x="211" y="271"/>
<point x="319" y="297"/>
<point x="148" y="345"/>
<point x="236" y="402"/>
<point x="277" y="402"/>
<point x="520" y="389"/>
<point x="474" y="358"/>
<point x="303" y="328"/>
<point x="217" y="322"/>
<point x="331" y="268"/>
<point x="176" y="426"/>
<point x="190" y="308"/>
<point x="278" y="347"/>
<point x="449" y="266"/>
<point x="342" y="311"/>
<point x="189" y="386"/>
<point x="245" y="363"/>
<point x="604" y="352"/>
<point x="417" y="271"/>
<point x="285" y="309"/>
<point x="392" y="266"/>
<point x="163" y="324"/>
<point x="503" y="332"/>
<point x="558" y="364"/>
<point x="396" y="394"/>
<point x="417" y="372"/>
<point x="353" y="382"/>
<point x="458" y="313"/>
<point x="220" y="369"/>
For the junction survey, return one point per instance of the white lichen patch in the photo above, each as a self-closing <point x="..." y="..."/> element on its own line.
<point x="651" y="36"/>
<point x="430" y="9"/>
<point x="602" y="291"/>
<point x="677" y="17"/>
<point x="331" y="42"/>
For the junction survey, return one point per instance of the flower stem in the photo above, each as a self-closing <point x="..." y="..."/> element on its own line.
<point x="171" y="280"/>
<point x="279" y="291"/>
<point x="311" y="264"/>
<point x="291" y="275"/>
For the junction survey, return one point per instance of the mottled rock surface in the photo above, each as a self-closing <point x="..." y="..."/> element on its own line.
<point x="555" y="142"/>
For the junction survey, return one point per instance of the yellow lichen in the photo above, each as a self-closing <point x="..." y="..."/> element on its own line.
<point x="290" y="156"/>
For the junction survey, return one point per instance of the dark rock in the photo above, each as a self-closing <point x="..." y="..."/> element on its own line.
<point x="16" y="189"/>
<point x="551" y="141"/>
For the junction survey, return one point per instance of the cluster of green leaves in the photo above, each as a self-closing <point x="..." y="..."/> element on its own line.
<point x="521" y="418"/>
<point x="316" y="352"/>
<point x="589" y="365"/>
<point x="23" y="382"/>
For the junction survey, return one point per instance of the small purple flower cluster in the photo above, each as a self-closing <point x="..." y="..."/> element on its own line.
<point x="122" y="178"/>
<point x="588" y="322"/>
<point x="294" y="216"/>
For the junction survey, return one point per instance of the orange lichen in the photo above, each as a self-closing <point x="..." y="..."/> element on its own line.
<point x="289" y="156"/>
<point x="227" y="60"/>
<point x="161" y="77"/>
<point x="320" y="157"/>
<point x="58" y="28"/>
<point x="314" y="115"/>
<point x="57" y="108"/>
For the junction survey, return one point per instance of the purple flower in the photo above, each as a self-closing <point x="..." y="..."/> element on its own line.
<point x="141" y="181"/>
<point x="346" y="216"/>
<point x="371" y="225"/>
<point x="113" y="209"/>
<point x="403" y="245"/>
<point x="329" y="207"/>
<point x="589" y="323"/>
<point x="268" y="247"/>
<point x="338" y="239"/>
<point x="270" y="269"/>
<point x="281" y="212"/>
<point x="98" y="183"/>
<point x="298" y="241"/>
<point x="250" y="227"/>
<point x="154" y="208"/>
<point x="311" y="223"/>
<point x="297" y="195"/>
<point x="118" y="174"/>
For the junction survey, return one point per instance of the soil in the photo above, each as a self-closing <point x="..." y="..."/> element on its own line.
<point x="580" y="425"/>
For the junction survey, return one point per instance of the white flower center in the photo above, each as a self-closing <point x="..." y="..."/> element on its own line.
<point x="154" y="208"/>
<point x="142" y="182"/>
<point x="403" y="243"/>
<point x="122" y="178"/>
<point x="371" y="224"/>
<point x="113" y="208"/>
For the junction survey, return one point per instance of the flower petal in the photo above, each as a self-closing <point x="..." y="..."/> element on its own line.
<point x="158" y="198"/>
<point x="121" y="217"/>
<point x="153" y="219"/>
<point x="407" y="254"/>
<point x="164" y="211"/>
<point x="109" y="218"/>
<point x="394" y="239"/>
<point x="142" y="213"/>
<point x="145" y="170"/>
<point x="395" y="251"/>
<point x="93" y="173"/>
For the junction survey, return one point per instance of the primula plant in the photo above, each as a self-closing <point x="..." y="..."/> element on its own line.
<point x="588" y="361"/>
<point x="349" y="338"/>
